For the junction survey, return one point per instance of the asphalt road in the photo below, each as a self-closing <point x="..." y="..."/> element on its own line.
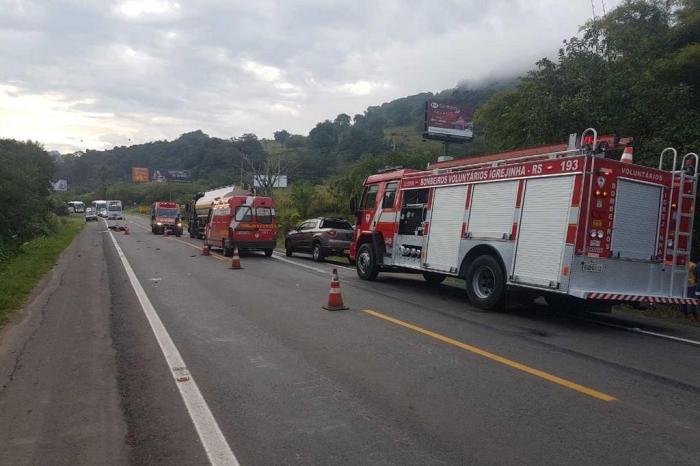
<point x="410" y="374"/>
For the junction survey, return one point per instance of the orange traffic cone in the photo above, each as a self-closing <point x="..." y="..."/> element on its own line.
<point x="627" y="155"/>
<point x="236" y="260"/>
<point x="205" y="250"/>
<point x="335" y="299"/>
<point x="126" y="230"/>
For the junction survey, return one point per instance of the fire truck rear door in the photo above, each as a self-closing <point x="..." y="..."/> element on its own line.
<point x="446" y="228"/>
<point x="636" y="224"/>
<point x="543" y="225"/>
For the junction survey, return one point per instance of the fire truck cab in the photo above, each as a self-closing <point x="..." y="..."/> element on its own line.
<point x="165" y="216"/>
<point x="243" y="222"/>
<point x="560" y="221"/>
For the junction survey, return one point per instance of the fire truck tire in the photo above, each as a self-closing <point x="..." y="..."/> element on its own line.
<point x="268" y="252"/>
<point x="317" y="252"/>
<point x="227" y="251"/>
<point x="367" y="268"/>
<point x="485" y="283"/>
<point x="288" y="251"/>
<point x="433" y="278"/>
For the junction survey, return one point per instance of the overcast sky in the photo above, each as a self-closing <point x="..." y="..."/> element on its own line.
<point x="77" y="74"/>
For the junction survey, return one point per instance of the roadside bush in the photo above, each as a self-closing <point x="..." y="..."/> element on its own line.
<point x="25" y="173"/>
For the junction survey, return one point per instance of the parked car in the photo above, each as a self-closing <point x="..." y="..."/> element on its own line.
<point x="321" y="237"/>
<point x="90" y="214"/>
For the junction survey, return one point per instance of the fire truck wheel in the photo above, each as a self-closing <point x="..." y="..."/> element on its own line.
<point x="268" y="252"/>
<point x="317" y="252"/>
<point x="367" y="263"/>
<point x="228" y="252"/>
<point x="485" y="282"/>
<point x="433" y="278"/>
<point x="288" y="249"/>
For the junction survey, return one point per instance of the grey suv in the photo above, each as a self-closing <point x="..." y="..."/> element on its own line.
<point x="321" y="237"/>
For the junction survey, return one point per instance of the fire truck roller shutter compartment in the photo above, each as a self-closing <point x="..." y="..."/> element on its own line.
<point x="446" y="228"/>
<point x="543" y="226"/>
<point x="492" y="207"/>
<point x="634" y="236"/>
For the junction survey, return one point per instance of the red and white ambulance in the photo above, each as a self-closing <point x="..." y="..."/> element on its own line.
<point x="562" y="221"/>
<point x="243" y="222"/>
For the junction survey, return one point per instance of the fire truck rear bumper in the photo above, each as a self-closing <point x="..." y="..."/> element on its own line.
<point x="639" y="298"/>
<point x="259" y="244"/>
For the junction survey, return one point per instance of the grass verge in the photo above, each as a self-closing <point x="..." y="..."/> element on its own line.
<point x="21" y="273"/>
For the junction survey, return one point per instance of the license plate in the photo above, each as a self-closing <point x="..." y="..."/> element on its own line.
<point x="594" y="267"/>
<point x="346" y="251"/>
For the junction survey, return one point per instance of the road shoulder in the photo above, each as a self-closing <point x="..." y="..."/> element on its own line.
<point x="59" y="399"/>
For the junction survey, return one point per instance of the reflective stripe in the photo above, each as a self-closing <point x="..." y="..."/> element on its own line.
<point x="650" y="299"/>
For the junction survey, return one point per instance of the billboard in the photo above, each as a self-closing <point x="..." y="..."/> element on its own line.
<point x="140" y="175"/>
<point x="60" y="185"/>
<point x="171" y="176"/>
<point x="277" y="181"/>
<point x="448" y="122"/>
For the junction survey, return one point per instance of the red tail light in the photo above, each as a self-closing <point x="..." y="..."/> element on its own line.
<point x="332" y="233"/>
<point x="587" y="140"/>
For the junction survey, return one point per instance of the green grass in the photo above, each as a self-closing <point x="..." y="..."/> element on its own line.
<point x="21" y="273"/>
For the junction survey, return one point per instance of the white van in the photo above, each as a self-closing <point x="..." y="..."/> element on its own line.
<point x="114" y="210"/>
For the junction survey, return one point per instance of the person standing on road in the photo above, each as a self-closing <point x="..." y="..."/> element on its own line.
<point x="693" y="308"/>
<point x="690" y="309"/>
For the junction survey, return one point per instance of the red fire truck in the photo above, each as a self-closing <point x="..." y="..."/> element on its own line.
<point x="243" y="222"/>
<point x="561" y="221"/>
<point x="166" y="216"/>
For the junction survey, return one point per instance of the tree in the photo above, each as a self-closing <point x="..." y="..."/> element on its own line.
<point x="302" y="196"/>
<point x="282" y="136"/>
<point x="26" y="171"/>
<point x="629" y="73"/>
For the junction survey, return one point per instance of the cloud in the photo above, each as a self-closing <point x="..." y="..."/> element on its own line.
<point x="361" y="87"/>
<point x="147" y="9"/>
<point x="262" y="72"/>
<point x="153" y="69"/>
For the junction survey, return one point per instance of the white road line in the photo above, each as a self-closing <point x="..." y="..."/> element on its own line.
<point x="281" y="251"/>
<point x="643" y="332"/>
<point x="304" y="266"/>
<point x="213" y="440"/>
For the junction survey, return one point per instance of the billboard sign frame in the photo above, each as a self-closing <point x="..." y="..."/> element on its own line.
<point x="447" y="122"/>
<point x="171" y="176"/>
<point x="140" y="175"/>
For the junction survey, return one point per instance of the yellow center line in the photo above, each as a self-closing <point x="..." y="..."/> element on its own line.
<point x="494" y="357"/>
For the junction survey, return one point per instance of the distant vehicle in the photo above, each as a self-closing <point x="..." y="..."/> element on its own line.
<point x="90" y="214"/>
<point x="243" y="222"/>
<point x="76" y="206"/>
<point x="99" y="205"/>
<point x="321" y="237"/>
<point x="166" y="216"/>
<point x="103" y="212"/>
<point x="198" y="210"/>
<point x="114" y="210"/>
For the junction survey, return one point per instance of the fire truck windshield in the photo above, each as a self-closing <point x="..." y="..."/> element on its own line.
<point x="170" y="213"/>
